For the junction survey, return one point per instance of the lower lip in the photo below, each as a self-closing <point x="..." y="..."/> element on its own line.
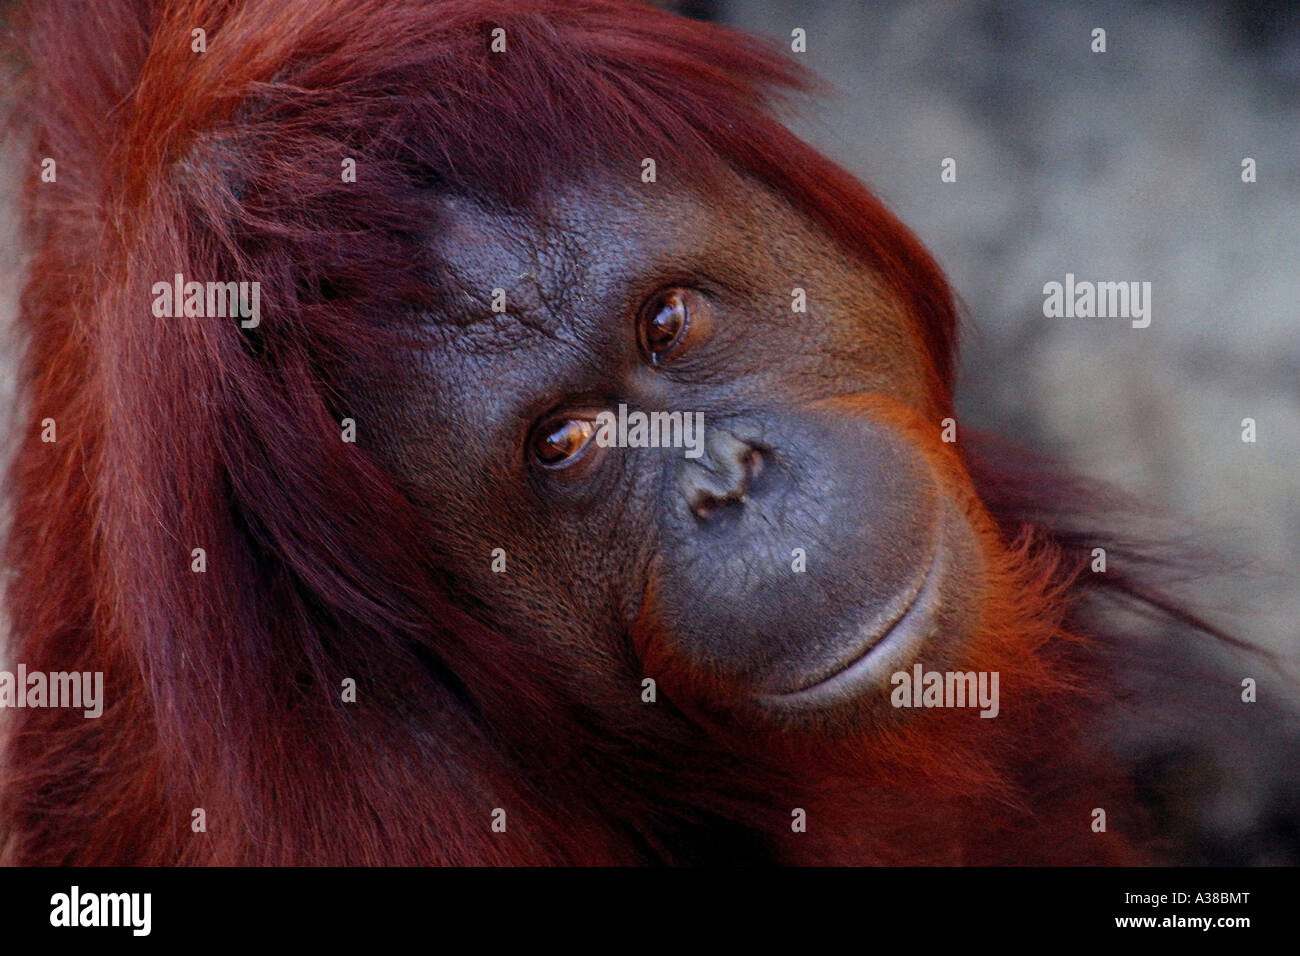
<point x="903" y="639"/>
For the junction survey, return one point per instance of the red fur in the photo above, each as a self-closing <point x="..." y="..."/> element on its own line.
<point x="222" y="687"/>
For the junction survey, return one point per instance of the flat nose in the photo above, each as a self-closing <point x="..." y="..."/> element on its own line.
<point x="721" y="478"/>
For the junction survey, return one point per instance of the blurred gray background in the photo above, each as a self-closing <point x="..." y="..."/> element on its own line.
<point x="1123" y="165"/>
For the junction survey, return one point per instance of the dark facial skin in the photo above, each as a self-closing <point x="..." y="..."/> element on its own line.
<point x="633" y="562"/>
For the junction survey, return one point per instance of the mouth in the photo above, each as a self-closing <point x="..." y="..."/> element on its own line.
<point x="880" y="652"/>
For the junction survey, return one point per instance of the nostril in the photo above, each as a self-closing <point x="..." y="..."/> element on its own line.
<point x="725" y="479"/>
<point x="706" y="504"/>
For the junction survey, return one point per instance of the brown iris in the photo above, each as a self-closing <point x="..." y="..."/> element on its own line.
<point x="666" y="325"/>
<point x="559" y="443"/>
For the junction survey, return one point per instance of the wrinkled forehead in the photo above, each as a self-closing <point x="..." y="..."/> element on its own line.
<point x="551" y="260"/>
